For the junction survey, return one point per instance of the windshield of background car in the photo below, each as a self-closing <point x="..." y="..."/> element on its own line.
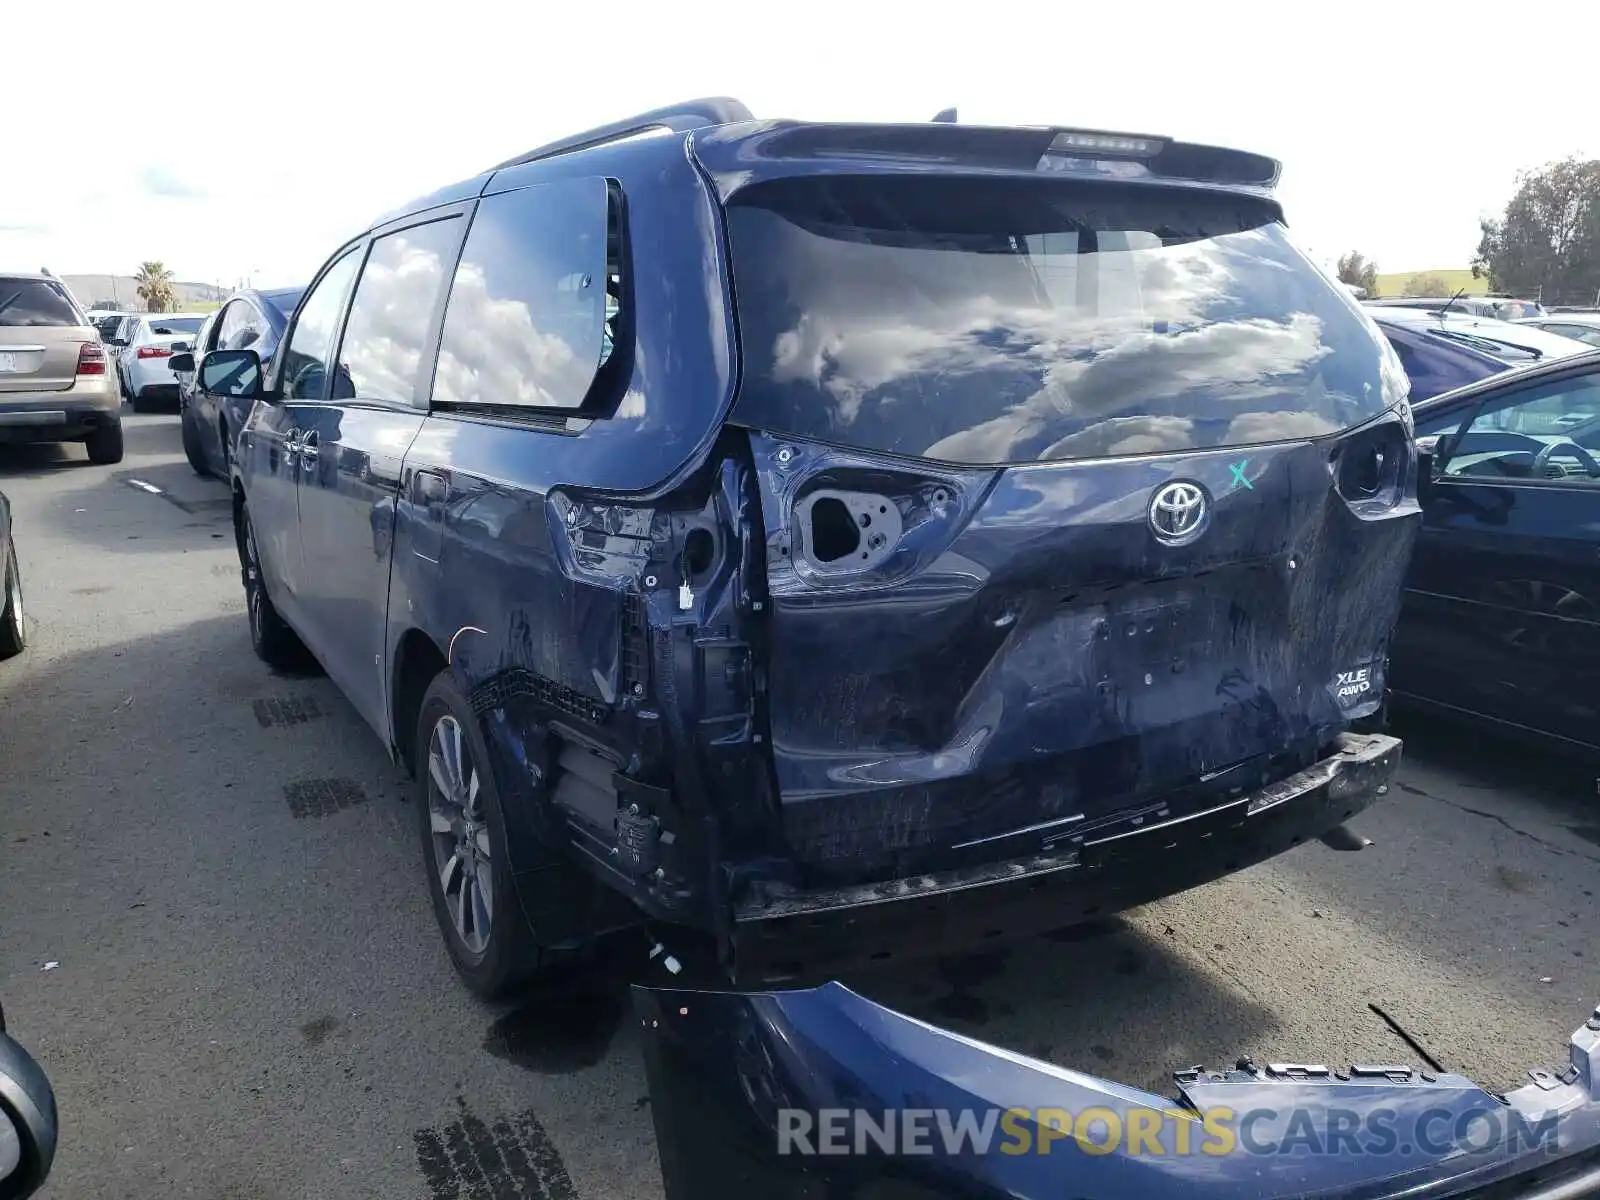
<point x="986" y="321"/>
<point x="35" y="303"/>
<point x="170" y="325"/>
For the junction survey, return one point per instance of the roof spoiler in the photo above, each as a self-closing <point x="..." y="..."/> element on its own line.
<point x="678" y="118"/>
<point x="1161" y="155"/>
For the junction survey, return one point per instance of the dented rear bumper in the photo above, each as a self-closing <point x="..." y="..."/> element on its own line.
<point x="821" y="1092"/>
<point x="780" y="934"/>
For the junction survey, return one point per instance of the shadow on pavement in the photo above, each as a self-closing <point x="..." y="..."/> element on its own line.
<point x="1499" y="762"/>
<point x="141" y="435"/>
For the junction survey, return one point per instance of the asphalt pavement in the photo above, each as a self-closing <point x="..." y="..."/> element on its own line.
<point x="214" y="932"/>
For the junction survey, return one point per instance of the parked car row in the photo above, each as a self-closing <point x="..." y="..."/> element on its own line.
<point x="1501" y="308"/>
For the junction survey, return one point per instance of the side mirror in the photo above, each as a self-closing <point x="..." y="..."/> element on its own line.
<point x="231" y="373"/>
<point x="119" y="343"/>
<point x="181" y="347"/>
<point x="181" y="363"/>
<point x="27" y="1122"/>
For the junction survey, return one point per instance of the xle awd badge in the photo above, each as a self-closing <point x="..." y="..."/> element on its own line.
<point x="1349" y="686"/>
<point x="1178" y="513"/>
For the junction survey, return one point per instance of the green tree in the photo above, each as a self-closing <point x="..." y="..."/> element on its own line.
<point x="1427" y="283"/>
<point x="1549" y="235"/>
<point x="1359" y="271"/>
<point x="155" y="287"/>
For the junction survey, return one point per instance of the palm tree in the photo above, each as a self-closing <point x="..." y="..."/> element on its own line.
<point x="155" y="287"/>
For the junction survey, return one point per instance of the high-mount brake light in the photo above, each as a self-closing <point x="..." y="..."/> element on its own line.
<point x="1107" y="143"/>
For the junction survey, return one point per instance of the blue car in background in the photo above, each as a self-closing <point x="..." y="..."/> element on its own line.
<point x="1445" y="350"/>
<point x="253" y="320"/>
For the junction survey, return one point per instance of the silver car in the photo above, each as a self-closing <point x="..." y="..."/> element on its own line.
<point x="1583" y="326"/>
<point x="56" y="384"/>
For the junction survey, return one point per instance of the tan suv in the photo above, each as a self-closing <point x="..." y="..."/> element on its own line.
<point x="55" y="382"/>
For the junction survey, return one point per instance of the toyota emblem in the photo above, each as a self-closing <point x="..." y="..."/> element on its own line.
<point x="1178" y="513"/>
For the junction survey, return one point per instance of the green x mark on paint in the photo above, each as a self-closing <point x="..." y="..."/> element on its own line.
<point x="1238" y="474"/>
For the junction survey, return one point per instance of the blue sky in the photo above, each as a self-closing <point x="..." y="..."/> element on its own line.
<point x="240" y="147"/>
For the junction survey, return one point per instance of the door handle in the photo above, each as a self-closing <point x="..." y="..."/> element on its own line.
<point x="308" y="447"/>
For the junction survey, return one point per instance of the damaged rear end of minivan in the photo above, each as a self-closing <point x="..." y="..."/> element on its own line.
<point x="1066" y="506"/>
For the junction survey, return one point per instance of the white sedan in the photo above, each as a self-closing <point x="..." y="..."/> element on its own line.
<point x="146" y="344"/>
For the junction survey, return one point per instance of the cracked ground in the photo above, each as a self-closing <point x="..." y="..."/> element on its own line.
<point x="251" y="1000"/>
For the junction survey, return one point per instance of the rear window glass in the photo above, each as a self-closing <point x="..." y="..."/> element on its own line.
<point x="1001" y="321"/>
<point x="169" y="325"/>
<point x="25" y="302"/>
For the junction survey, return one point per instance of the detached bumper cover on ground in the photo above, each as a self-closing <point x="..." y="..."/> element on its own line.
<point x="822" y="1093"/>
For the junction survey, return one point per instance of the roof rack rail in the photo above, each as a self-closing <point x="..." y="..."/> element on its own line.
<point x="680" y="118"/>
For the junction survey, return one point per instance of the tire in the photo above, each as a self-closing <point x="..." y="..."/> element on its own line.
<point x="140" y="404"/>
<point x="105" y="444"/>
<point x="270" y="636"/>
<point x="13" y="630"/>
<point x="497" y="955"/>
<point x="191" y="444"/>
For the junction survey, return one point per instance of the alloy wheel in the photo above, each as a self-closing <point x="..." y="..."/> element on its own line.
<point x="14" y="599"/>
<point x="252" y="581"/>
<point x="460" y="835"/>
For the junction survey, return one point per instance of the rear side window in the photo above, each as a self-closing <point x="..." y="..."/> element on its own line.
<point x="526" y="322"/>
<point x="34" y="302"/>
<point x="384" y="336"/>
<point x="988" y="321"/>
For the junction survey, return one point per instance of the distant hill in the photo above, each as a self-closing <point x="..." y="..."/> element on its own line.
<point x="1394" y="284"/>
<point x="121" y="290"/>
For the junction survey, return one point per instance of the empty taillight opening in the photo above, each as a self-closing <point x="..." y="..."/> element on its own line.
<point x="834" y="534"/>
<point x="1363" y="472"/>
<point x="154" y="352"/>
<point x="91" y="359"/>
<point x="1369" y="466"/>
<point x="699" y="552"/>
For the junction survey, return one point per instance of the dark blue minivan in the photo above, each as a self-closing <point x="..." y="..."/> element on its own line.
<point x="829" y="541"/>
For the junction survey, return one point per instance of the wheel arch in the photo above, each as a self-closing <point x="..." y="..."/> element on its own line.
<point x="417" y="660"/>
